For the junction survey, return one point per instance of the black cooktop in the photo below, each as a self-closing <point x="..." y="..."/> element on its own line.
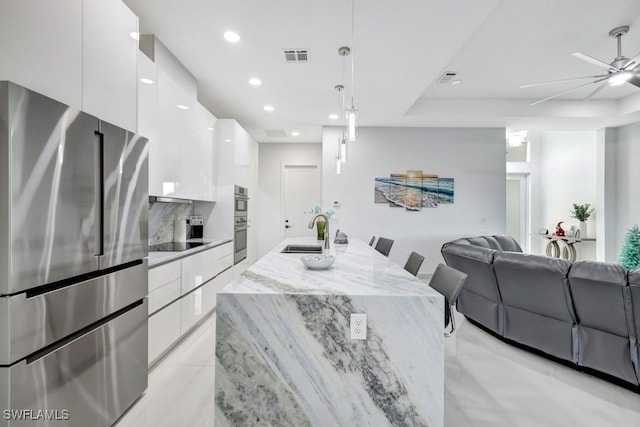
<point x="175" y="246"/>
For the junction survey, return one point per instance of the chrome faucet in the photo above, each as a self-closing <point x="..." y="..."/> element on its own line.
<point x="326" y="229"/>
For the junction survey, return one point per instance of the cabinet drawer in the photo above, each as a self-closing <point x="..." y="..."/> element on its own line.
<point x="164" y="330"/>
<point x="203" y="266"/>
<point x="163" y="295"/>
<point x="210" y="292"/>
<point x="163" y="274"/>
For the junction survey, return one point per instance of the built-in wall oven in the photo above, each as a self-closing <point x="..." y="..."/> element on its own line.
<point x="240" y="225"/>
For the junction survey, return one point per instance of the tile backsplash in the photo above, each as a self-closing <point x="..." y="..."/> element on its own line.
<point x="161" y="218"/>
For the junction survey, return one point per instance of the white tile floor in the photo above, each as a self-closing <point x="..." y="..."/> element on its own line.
<point x="487" y="383"/>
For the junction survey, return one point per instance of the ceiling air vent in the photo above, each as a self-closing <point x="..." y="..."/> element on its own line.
<point x="446" y="77"/>
<point x="296" y="55"/>
<point x="276" y="133"/>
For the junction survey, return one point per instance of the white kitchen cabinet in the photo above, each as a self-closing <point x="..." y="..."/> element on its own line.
<point x="164" y="295"/>
<point x="182" y="292"/>
<point x="197" y="304"/>
<point x="213" y="267"/>
<point x="148" y="120"/>
<point x="163" y="274"/>
<point x="41" y="47"/>
<point x="181" y="156"/>
<point x="175" y="108"/>
<point x="164" y="331"/>
<point x="77" y="52"/>
<point x="237" y="164"/>
<point x="203" y="266"/>
<point x="200" y="171"/>
<point x="110" y="53"/>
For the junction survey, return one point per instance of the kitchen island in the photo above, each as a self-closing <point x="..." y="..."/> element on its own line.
<point x="284" y="356"/>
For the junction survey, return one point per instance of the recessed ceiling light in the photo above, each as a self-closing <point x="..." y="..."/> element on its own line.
<point x="268" y="108"/>
<point x="295" y="133"/>
<point x="146" y="81"/>
<point x="255" y="82"/>
<point x="232" y="37"/>
<point x="183" y="107"/>
<point x="134" y="35"/>
<point x="227" y="140"/>
<point x="333" y="116"/>
<point x="210" y="128"/>
<point x="456" y="82"/>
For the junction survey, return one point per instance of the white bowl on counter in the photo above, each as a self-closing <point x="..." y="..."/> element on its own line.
<point x="318" y="261"/>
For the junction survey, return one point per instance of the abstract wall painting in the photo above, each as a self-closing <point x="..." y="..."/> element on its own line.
<point x="414" y="190"/>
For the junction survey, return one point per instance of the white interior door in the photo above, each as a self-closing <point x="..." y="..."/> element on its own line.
<point x="301" y="191"/>
<point x="517" y="209"/>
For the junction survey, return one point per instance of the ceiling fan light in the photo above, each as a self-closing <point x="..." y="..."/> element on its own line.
<point x="619" y="78"/>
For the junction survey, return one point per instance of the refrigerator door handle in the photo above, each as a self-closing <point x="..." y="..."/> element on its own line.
<point x="99" y="192"/>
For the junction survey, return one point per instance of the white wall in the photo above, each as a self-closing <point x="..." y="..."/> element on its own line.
<point x="627" y="182"/>
<point x="474" y="157"/>
<point x="567" y="175"/>
<point x="271" y="157"/>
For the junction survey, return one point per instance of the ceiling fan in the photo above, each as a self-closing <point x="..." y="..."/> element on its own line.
<point x="621" y="70"/>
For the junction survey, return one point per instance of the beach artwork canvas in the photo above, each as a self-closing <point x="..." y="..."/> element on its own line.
<point x="414" y="190"/>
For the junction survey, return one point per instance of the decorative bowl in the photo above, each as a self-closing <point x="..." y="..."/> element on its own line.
<point x="318" y="262"/>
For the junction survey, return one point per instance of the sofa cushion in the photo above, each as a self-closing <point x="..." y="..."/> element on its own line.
<point x="598" y="295"/>
<point x="476" y="262"/>
<point x="601" y="301"/>
<point x="508" y="243"/>
<point x="534" y="283"/>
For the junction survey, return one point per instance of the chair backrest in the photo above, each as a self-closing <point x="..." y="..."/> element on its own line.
<point x="384" y="246"/>
<point x="373" y="239"/>
<point x="448" y="281"/>
<point x="413" y="263"/>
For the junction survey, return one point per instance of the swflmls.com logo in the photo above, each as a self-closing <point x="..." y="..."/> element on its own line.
<point x="35" y="415"/>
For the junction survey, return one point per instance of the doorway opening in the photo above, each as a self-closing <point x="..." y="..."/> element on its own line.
<point x="517" y="205"/>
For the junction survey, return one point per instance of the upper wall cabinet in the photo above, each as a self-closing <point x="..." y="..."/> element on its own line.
<point x="180" y="130"/>
<point x="110" y="52"/>
<point x="182" y="156"/>
<point x="77" y="52"/>
<point x="148" y="119"/>
<point x="41" y="47"/>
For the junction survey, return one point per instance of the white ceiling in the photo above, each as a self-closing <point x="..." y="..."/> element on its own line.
<point x="400" y="49"/>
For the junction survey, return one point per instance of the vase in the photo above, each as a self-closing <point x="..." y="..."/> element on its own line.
<point x="320" y="226"/>
<point x="583" y="229"/>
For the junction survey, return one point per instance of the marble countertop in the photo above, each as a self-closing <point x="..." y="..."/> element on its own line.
<point x="358" y="270"/>
<point x="158" y="258"/>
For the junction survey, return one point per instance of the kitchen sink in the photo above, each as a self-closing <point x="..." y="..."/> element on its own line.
<point x="302" y="249"/>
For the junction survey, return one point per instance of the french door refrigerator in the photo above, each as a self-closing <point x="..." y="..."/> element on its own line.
<point x="73" y="272"/>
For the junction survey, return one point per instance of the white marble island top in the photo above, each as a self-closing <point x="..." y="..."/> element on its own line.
<point x="358" y="270"/>
<point x="285" y="357"/>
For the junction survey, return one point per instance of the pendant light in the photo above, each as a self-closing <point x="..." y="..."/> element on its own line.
<point x="341" y="155"/>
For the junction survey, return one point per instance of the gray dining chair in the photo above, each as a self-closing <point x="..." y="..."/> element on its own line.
<point x="373" y="239"/>
<point x="413" y="263"/>
<point x="448" y="281"/>
<point x="384" y="246"/>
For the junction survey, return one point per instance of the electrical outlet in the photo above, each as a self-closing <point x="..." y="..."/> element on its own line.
<point x="358" y="326"/>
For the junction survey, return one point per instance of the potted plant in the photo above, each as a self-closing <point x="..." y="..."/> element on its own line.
<point x="582" y="214"/>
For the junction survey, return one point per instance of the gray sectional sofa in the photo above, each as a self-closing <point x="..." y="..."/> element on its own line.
<point x="586" y="313"/>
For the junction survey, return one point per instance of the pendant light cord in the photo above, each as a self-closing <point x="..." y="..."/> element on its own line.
<point x="353" y="25"/>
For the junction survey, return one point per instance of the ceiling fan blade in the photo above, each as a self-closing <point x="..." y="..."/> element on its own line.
<point x="632" y="64"/>
<point x="567" y="91"/>
<point x="594" y="61"/>
<point x="598" y="89"/>
<point x="634" y="80"/>
<point x="563" y="80"/>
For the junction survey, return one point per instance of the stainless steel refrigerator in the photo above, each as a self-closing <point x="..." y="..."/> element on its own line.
<point x="73" y="272"/>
